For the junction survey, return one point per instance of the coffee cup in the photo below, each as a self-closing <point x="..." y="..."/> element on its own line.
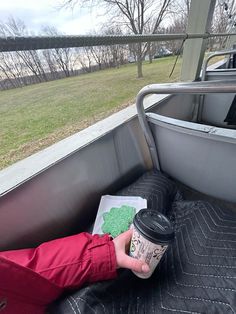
<point x="152" y="234"/>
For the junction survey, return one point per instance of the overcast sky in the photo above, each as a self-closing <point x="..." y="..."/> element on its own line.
<point x="38" y="13"/>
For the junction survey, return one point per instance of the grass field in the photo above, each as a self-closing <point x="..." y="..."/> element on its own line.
<point x="36" y="116"/>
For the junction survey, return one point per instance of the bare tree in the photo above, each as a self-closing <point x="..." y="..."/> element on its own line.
<point x="11" y="66"/>
<point x="20" y="68"/>
<point x="85" y="59"/>
<point x="50" y="64"/>
<point x="101" y="57"/>
<point x="62" y="58"/>
<point x="182" y="8"/>
<point x="139" y="17"/>
<point x="179" y="24"/>
<point x="21" y="63"/>
<point x="134" y="16"/>
<point x="223" y="20"/>
<point x="116" y="54"/>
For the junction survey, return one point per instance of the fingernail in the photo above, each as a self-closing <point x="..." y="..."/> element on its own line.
<point x="145" y="268"/>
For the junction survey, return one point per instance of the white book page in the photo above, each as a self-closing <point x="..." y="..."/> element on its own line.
<point x="109" y="201"/>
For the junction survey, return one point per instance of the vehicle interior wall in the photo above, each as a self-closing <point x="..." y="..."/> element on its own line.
<point x="185" y="107"/>
<point x="216" y="106"/>
<point x="64" y="198"/>
<point x="177" y="106"/>
<point x="202" y="159"/>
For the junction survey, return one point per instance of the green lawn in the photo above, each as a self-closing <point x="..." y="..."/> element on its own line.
<point x="36" y="116"/>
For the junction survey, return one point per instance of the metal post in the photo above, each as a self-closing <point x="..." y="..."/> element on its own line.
<point x="199" y="20"/>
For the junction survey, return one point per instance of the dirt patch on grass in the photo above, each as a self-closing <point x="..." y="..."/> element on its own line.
<point x="32" y="147"/>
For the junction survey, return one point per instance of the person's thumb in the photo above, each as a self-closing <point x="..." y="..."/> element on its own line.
<point x="135" y="264"/>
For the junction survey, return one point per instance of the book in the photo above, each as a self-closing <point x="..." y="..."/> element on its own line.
<point x="115" y="213"/>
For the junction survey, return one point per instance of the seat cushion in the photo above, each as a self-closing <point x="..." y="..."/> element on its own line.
<point x="196" y="275"/>
<point x="157" y="188"/>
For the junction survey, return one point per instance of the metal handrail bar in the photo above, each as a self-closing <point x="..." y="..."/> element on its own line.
<point x="204" y="87"/>
<point x="199" y="108"/>
<point x="213" y="55"/>
<point x="20" y="43"/>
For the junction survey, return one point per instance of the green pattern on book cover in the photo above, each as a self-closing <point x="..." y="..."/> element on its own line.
<point x="118" y="220"/>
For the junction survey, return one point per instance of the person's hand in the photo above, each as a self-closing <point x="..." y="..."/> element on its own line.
<point x="122" y="243"/>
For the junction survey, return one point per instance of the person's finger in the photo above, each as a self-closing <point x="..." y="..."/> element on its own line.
<point x="134" y="264"/>
<point x="127" y="235"/>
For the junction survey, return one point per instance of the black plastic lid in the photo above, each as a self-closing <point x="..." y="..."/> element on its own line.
<point x="154" y="226"/>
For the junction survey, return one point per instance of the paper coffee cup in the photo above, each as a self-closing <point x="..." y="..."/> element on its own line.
<point x="152" y="234"/>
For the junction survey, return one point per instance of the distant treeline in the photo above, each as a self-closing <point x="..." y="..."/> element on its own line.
<point x="16" y="81"/>
<point x="21" y="68"/>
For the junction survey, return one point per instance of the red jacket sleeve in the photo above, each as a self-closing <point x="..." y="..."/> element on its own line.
<point x="71" y="261"/>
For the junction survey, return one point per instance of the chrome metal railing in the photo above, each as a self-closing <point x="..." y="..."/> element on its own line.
<point x="175" y="88"/>
<point x="213" y="55"/>
<point x="201" y="100"/>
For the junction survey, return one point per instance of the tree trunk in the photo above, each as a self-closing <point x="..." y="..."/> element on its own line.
<point x="140" y="68"/>
<point x="139" y="61"/>
<point x="150" y="58"/>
